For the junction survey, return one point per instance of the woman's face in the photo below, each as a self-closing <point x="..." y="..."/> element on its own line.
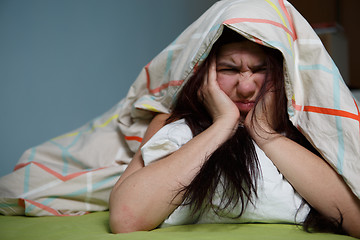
<point x="241" y="72"/>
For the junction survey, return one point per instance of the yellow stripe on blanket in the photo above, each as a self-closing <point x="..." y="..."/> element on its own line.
<point x="150" y="108"/>
<point x="282" y="19"/>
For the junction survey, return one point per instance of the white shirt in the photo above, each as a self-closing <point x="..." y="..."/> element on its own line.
<point x="277" y="200"/>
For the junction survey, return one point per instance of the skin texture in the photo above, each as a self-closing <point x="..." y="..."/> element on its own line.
<point x="144" y="196"/>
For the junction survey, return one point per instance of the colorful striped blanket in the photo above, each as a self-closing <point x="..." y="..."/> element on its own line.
<point x="73" y="174"/>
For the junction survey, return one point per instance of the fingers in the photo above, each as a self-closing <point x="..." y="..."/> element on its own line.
<point x="217" y="103"/>
<point x="209" y="82"/>
<point x="211" y="78"/>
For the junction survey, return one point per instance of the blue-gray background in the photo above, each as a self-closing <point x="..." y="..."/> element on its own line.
<point x="64" y="62"/>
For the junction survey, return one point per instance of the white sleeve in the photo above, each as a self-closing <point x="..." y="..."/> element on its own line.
<point x="166" y="141"/>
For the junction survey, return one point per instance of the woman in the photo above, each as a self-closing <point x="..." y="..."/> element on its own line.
<point x="232" y="113"/>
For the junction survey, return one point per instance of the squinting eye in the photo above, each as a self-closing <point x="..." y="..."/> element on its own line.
<point x="263" y="69"/>
<point x="228" y="70"/>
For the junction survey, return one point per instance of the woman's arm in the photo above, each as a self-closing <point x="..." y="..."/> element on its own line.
<point x="145" y="196"/>
<point x="314" y="179"/>
<point x="137" y="162"/>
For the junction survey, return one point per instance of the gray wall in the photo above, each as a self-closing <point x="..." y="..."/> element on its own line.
<point x="62" y="63"/>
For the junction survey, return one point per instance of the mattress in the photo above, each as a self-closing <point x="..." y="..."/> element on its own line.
<point x="95" y="226"/>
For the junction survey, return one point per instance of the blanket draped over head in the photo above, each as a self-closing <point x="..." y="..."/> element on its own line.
<point x="74" y="173"/>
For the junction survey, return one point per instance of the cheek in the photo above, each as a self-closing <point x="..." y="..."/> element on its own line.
<point x="260" y="80"/>
<point x="226" y="83"/>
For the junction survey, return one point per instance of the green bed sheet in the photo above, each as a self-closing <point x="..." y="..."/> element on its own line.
<point x="95" y="226"/>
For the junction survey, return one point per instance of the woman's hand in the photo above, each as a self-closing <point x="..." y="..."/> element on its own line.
<point x="217" y="103"/>
<point x="314" y="179"/>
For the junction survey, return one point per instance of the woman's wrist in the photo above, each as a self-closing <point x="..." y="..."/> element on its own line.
<point x="226" y="125"/>
<point x="263" y="135"/>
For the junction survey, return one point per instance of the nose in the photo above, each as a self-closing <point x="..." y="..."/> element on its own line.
<point x="246" y="87"/>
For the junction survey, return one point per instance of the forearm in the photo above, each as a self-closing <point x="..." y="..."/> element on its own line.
<point x="147" y="196"/>
<point x="314" y="180"/>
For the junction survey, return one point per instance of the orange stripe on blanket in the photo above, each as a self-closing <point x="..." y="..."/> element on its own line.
<point x="357" y="108"/>
<point x="21" y="202"/>
<point x="45" y="208"/>
<point x="258" y="41"/>
<point x="133" y="138"/>
<point x="327" y="111"/>
<point x="20" y="165"/>
<point x="254" y="20"/>
<point x="166" y="85"/>
<point x="54" y="173"/>
<point x="147" y="76"/>
<point x="282" y="5"/>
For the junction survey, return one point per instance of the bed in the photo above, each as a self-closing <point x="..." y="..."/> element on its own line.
<point x="95" y="226"/>
<point x="60" y="189"/>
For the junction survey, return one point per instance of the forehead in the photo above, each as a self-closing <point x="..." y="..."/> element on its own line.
<point x="240" y="48"/>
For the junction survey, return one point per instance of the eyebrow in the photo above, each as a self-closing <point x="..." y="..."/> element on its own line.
<point x="227" y="64"/>
<point x="257" y="66"/>
<point x="233" y="65"/>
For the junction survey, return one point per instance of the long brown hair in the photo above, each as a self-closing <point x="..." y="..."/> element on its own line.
<point x="234" y="165"/>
